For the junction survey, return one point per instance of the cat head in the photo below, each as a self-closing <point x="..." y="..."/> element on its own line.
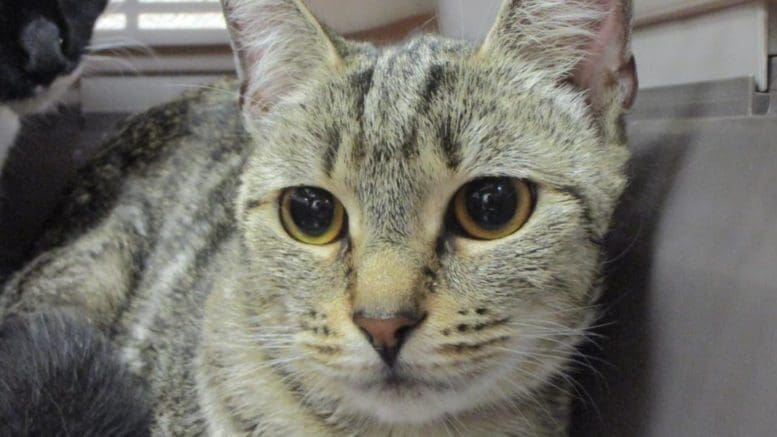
<point x="41" y="44"/>
<point x="421" y="224"/>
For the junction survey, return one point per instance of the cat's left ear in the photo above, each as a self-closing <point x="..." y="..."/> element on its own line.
<point x="278" y="44"/>
<point x="585" y="41"/>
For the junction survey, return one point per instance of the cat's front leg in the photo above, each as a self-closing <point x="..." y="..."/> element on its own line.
<point x="9" y="129"/>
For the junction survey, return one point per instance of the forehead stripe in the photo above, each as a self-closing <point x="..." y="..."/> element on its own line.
<point x="361" y="83"/>
<point x="446" y="134"/>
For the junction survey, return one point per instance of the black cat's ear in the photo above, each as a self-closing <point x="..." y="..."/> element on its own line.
<point x="278" y="45"/>
<point x="585" y="41"/>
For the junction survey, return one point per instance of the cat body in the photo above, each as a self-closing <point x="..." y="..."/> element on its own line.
<point x="176" y="241"/>
<point x="41" y="45"/>
<point x="120" y="219"/>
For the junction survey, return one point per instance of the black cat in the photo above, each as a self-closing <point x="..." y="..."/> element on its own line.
<point x="42" y="40"/>
<point x="41" y="45"/>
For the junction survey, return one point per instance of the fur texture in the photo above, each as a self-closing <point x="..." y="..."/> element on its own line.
<point x="61" y="377"/>
<point x="172" y="241"/>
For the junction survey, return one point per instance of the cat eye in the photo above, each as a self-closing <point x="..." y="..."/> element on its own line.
<point x="493" y="207"/>
<point x="312" y="215"/>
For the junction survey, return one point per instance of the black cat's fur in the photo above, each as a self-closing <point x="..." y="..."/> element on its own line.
<point x="60" y="377"/>
<point x="41" y="40"/>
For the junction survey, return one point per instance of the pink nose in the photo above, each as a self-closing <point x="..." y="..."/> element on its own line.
<point x="387" y="335"/>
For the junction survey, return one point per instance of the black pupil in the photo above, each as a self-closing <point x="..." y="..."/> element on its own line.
<point x="492" y="202"/>
<point x="312" y="210"/>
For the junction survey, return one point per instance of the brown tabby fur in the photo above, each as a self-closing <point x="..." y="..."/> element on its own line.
<point x="172" y="242"/>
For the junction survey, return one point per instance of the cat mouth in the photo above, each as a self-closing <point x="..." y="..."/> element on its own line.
<point x="400" y="382"/>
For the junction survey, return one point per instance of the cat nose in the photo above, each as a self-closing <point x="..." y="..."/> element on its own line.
<point x="42" y="42"/>
<point x="387" y="335"/>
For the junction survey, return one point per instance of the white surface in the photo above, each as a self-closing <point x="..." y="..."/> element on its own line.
<point x="199" y="63"/>
<point x="348" y="16"/>
<point x="655" y="9"/>
<point x="772" y="11"/>
<point x="721" y="45"/>
<point x="467" y="19"/>
<point x="121" y="20"/>
<point x="132" y="94"/>
<point x="125" y="20"/>
<point x="725" y="44"/>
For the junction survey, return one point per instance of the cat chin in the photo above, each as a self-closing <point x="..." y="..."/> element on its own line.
<point x="422" y="404"/>
<point x="396" y="409"/>
<point x="45" y="97"/>
<point x="408" y="401"/>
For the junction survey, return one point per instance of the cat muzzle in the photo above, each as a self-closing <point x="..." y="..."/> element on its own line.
<point x="42" y="43"/>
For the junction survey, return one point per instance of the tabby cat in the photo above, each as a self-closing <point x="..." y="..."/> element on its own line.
<point x="396" y="241"/>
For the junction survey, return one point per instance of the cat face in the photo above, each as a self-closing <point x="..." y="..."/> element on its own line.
<point x="421" y="225"/>
<point x="41" y="44"/>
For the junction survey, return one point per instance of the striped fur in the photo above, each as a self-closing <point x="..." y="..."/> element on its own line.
<point x="172" y="245"/>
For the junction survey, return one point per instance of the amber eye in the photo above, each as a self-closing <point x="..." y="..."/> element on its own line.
<point x="312" y="215"/>
<point x="493" y="208"/>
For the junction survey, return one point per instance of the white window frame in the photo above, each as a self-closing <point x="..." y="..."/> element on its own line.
<point x="345" y="16"/>
<point x="131" y="33"/>
<point x="171" y="61"/>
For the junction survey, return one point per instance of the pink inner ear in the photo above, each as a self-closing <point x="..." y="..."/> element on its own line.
<point x="608" y="59"/>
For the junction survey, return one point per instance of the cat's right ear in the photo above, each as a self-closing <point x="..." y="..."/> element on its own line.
<point x="583" y="42"/>
<point x="278" y="44"/>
